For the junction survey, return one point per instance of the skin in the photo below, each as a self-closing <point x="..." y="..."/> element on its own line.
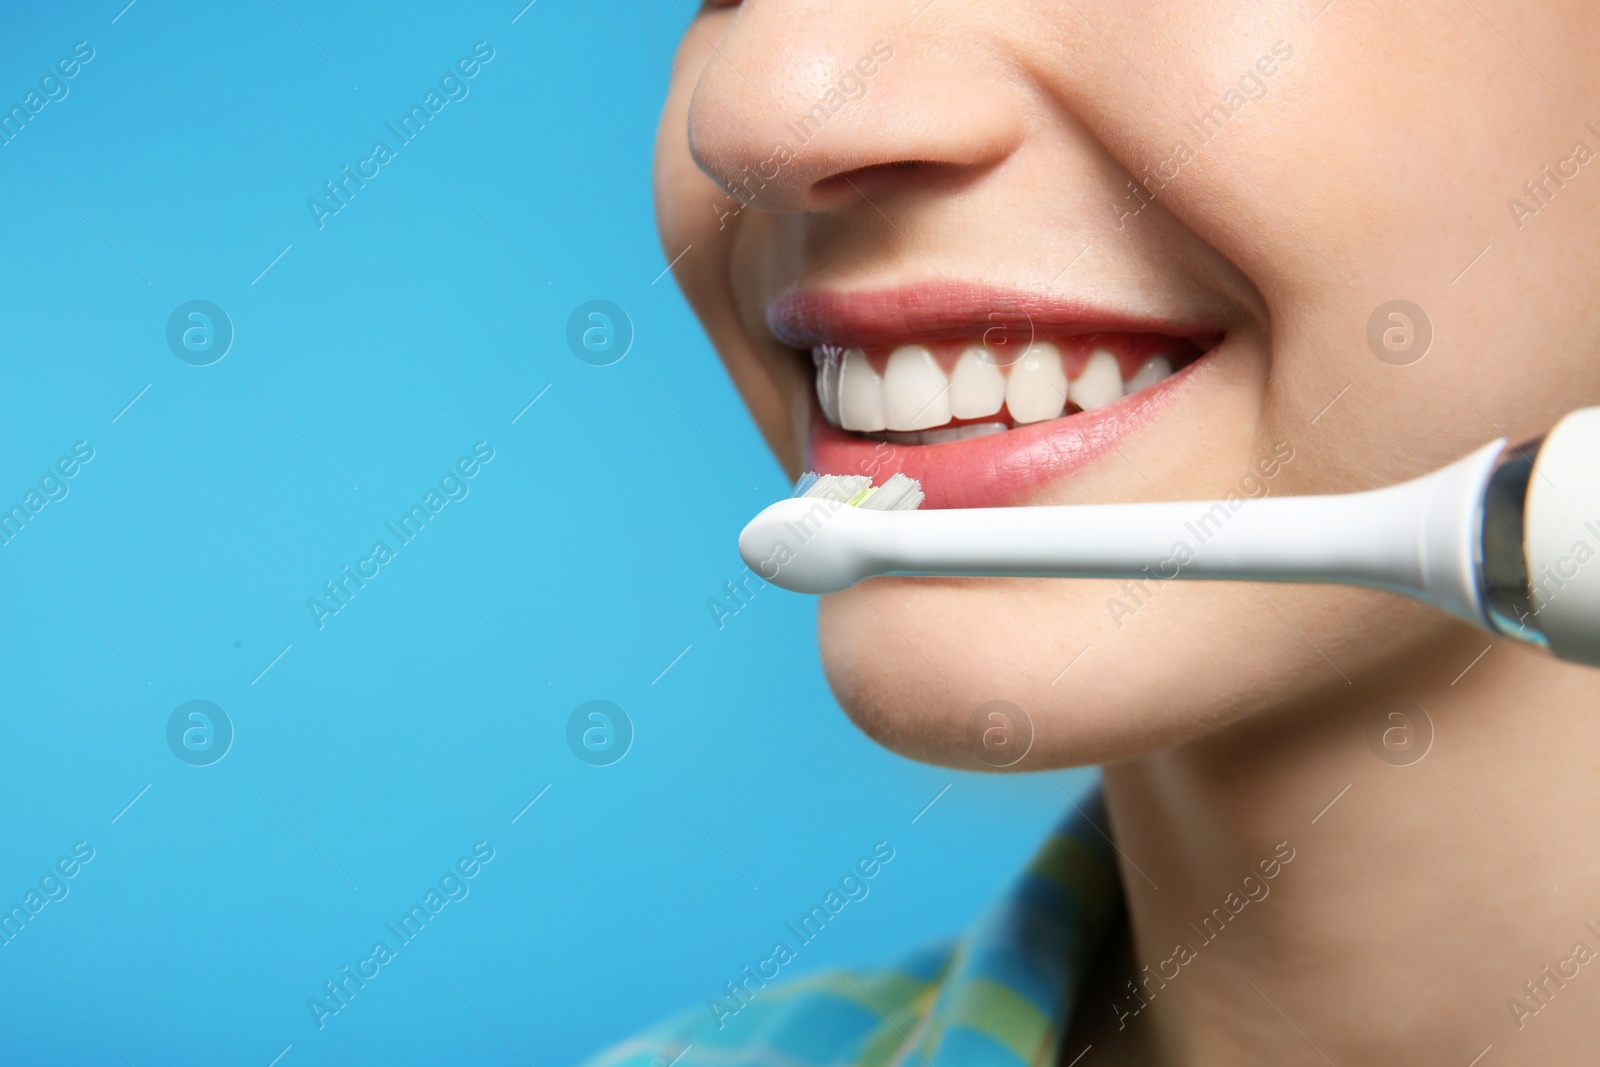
<point x="1377" y="165"/>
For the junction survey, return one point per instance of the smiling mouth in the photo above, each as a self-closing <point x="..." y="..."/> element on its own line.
<point x="985" y="396"/>
<point x="947" y="390"/>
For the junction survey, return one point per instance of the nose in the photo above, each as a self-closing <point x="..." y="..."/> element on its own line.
<point x="802" y="107"/>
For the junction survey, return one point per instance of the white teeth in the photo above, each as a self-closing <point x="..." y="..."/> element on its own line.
<point x="962" y="433"/>
<point x="1149" y="373"/>
<point x="1036" y="388"/>
<point x="944" y="435"/>
<point x="916" y="394"/>
<point x="1099" y="384"/>
<point x="829" y="364"/>
<point x="913" y="399"/>
<point x="860" y="394"/>
<point x="977" y="388"/>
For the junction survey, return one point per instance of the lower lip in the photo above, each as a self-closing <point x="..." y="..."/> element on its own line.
<point x="1003" y="469"/>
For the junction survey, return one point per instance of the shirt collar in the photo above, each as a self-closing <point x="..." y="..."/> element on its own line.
<point x="1011" y="991"/>
<point x="1003" y="995"/>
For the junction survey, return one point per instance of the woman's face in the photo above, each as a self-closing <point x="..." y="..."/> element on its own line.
<point x="983" y="223"/>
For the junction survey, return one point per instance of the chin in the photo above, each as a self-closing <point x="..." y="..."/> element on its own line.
<point x="1030" y="675"/>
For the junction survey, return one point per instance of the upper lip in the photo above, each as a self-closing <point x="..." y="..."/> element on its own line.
<point x="806" y="318"/>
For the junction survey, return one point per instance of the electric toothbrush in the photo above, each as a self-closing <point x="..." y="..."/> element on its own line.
<point x="1503" y="538"/>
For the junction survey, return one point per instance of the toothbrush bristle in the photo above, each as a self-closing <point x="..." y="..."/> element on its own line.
<point x="899" y="493"/>
<point x="840" y="487"/>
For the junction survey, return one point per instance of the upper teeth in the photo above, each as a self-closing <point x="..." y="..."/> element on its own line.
<point x="977" y="388"/>
<point x="1099" y="384"/>
<point x="1036" y="388"/>
<point x="1150" y="372"/>
<point x="860" y="394"/>
<point x="914" y="393"/>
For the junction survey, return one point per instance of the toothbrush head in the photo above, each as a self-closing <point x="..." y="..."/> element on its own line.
<point x="814" y="542"/>
<point x="899" y="493"/>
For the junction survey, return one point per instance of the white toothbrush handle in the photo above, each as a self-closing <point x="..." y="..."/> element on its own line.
<point x="1419" y="538"/>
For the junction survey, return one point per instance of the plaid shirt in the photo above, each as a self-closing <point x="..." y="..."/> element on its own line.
<point x="1002" y="995"/>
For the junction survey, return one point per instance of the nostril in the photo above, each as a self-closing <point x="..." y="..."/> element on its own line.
<point x="897" y="175"/>
<point x="868" y="174"/>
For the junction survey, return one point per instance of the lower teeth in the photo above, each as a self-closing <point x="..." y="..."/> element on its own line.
<point x="941" y="436"/>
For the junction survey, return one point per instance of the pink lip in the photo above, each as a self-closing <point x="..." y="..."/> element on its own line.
<point x="1001" y="469"/>
<point x="806" y="318"/>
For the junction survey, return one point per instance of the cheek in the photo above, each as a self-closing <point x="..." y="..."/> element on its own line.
<point x="693" y="213"/>
<point x="683" y="195"/>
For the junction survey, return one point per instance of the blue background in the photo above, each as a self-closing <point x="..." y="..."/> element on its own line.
<point x="370" y="754"/>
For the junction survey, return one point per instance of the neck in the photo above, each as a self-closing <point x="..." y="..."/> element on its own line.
<point x="1313" y="887"/>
